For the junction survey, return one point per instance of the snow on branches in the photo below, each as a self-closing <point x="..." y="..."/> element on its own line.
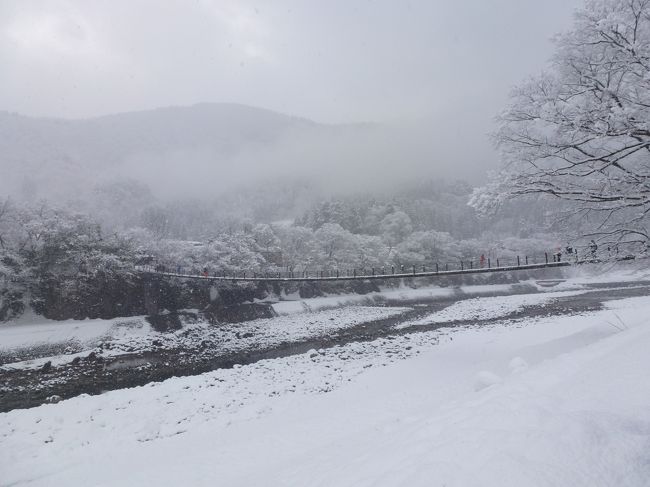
<point x="581" y="131"/>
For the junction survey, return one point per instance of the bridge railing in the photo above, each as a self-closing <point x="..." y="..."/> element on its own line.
<point x="481" y="264"/>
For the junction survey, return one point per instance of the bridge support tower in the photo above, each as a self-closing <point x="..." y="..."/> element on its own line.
<point x="151" y="294"/>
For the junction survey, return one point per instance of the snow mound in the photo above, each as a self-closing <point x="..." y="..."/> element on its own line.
<point x="518" y="365"/>
<point x="485" y="379"/>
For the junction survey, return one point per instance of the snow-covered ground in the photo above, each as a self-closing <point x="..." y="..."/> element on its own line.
<point x="402" y="293"/>
<point x="575" y="278"/>
<point x="36" y="330"/>
<point x="325" y="313"/>
<point x="129" y="335"/>
<point x="61" y="342"/>
<point x="488" y="308"/>
<point x="607" y="272"/>
<point x="545" y="402"/>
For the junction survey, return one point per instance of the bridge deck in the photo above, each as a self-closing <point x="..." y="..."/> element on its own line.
<point x="401" y="275"/>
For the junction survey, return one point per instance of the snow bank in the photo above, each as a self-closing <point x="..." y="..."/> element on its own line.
<point x="406" y="294"/>
<point x="137" y="336"/>
<point x="488" y="308"/>
<point x="557" y="410"/>
<point x="391" y="294"/>
<point x="336" y="301"/>
<point x="40" y="331"/>
<point x="608" y="272"/>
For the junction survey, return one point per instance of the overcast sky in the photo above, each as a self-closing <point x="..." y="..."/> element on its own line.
<point x="332" y="61"/>
<point x="447" y="65"/>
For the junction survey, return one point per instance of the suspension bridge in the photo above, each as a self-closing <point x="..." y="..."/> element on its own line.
<point x="382" y="273"/>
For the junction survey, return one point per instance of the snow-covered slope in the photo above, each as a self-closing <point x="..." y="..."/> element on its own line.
<point x="555" y="401"/>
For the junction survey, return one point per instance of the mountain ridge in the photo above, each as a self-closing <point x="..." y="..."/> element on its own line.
<point x="56" y="155"/>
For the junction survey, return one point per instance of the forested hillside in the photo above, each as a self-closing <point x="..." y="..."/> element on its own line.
<point x="57" y="259"/>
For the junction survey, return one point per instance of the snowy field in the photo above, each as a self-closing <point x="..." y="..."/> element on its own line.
<point x="544" y="402"/>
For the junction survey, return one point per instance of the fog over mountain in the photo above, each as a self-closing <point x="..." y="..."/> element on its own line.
<point x="207" y="148"/>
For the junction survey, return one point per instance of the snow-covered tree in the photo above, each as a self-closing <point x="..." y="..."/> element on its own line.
<point x="265" y="237"/>
<point x="338" y="246"/>
<point x="581" y="130"/>
<point x="395" y="227"/>
<point x="427" y="248"/>
<point x="371" y="252"/>
<point x="299" y="247"/>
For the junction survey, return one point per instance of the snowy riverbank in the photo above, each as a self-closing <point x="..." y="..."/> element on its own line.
<point x="547" y="401"/>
